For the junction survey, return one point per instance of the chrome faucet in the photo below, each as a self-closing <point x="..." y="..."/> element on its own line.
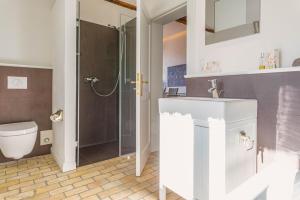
<point x="214" y="90"/>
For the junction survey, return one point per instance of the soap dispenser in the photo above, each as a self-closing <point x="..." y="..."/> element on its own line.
<point x="262" y="61"/>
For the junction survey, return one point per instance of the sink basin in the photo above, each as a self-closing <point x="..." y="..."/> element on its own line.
<point x="206" y="99"/>
<point x="204" y="108"/>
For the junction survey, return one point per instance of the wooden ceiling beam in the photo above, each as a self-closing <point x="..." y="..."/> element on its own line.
<point x="123" y="4"/>
<point x="182" y="20"/>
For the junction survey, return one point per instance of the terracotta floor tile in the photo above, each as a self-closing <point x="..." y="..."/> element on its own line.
<point x="39" y="178"/>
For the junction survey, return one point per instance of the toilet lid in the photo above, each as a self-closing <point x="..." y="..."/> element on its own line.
<point x="16" y="129"/>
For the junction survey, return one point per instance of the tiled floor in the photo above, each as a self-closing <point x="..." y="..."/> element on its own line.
<point x="40" y="178"/>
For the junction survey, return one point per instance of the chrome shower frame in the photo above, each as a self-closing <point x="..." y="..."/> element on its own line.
<point x="122" y="55"/>
<point x="78" y="81"/>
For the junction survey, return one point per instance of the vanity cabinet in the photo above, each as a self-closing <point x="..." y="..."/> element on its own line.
<point x="207" y="146"/>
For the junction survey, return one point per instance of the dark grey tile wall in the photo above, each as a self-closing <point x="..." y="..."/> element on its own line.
<point x="278" y="96"/>
<point x="99" y="118"/>
<point x="33" y="104"/>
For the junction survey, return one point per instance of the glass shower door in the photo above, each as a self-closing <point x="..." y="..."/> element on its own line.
<point x="127" y="86"/>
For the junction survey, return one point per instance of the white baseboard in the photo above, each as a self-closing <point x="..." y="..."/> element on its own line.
<point x="68" y="166"/>
<point x="64" y="166"/>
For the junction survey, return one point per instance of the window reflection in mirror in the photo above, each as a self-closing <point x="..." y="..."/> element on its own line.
<point x="230" y="19"/>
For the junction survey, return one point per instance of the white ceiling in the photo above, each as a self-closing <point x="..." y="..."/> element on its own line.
<point x="158" y="7"/>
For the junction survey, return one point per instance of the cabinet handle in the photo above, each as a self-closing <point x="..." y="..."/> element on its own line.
<point x="246" y="141"/>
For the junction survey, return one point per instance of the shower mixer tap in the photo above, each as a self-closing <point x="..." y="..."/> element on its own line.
<point x="91" y="79"/>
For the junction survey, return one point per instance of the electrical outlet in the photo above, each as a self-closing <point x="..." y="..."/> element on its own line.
<point x="46" y="137"/>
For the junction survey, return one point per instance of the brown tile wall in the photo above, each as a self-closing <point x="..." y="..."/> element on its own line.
<point x="33" y="104"/>
<point x="98" y="116"/>
<point x="278" y="96"/>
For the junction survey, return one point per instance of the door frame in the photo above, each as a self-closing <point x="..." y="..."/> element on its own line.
<point x="156" y="59"/>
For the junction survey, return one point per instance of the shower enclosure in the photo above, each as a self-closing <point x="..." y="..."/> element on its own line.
<point x="105" y="90"/>
<point x="127" y="85"/>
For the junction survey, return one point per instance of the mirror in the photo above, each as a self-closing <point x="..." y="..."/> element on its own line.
<point x="230" y="19"/>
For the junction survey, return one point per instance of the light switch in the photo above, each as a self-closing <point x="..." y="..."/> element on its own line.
<point x="14" y="82"/>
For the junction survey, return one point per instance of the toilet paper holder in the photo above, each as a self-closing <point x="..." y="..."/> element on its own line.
<point x="57" y="116"/>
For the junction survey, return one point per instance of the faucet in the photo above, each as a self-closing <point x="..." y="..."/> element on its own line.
<point x="214" y="90"/>
<point x="91" y="79"/>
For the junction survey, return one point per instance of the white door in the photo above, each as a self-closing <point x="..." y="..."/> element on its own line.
<point x="142" y="89"/>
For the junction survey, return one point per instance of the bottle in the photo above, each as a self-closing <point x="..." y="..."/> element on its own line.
<point x="277" y="58"/>
<point x="262" y="62"/>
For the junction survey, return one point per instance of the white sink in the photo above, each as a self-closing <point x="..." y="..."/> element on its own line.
<point x="203" y="154"/>
<point x="202" y="109"/>
<point x="206" y="99"/>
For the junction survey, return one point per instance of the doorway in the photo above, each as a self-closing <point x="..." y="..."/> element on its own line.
<point x="174" y="58"/>
<point x="163" y="35"/>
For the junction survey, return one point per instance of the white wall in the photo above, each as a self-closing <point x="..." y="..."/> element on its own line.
<point x="25" y="35"/>
<point x="70" y="84"/>
<point x="58" y="98"/>
<point x="279" y="29"/>
<point x="102" y="12"/>
<point x="64" y="81"/>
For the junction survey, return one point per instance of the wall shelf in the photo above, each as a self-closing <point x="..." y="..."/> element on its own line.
<point x="25" y="66"/>
<point x="266" y="71"/>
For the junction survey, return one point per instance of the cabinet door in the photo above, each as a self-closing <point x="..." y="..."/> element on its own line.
<point x="183" y="155"/>
<point x="176" y="153"/>
<point x="240" y="157"/>
<point x="201" y="165"/>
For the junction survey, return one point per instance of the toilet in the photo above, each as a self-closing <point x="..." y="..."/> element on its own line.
<point x="17" y="139"/>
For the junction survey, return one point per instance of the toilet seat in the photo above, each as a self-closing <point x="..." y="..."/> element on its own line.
<point x="17" y="129"/>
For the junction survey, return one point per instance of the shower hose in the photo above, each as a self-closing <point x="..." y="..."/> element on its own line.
<point x="108" y="94"/>
<point x="123" y="35"/>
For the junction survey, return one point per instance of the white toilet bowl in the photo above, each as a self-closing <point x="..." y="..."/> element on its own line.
<point x="17" y="139"/>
